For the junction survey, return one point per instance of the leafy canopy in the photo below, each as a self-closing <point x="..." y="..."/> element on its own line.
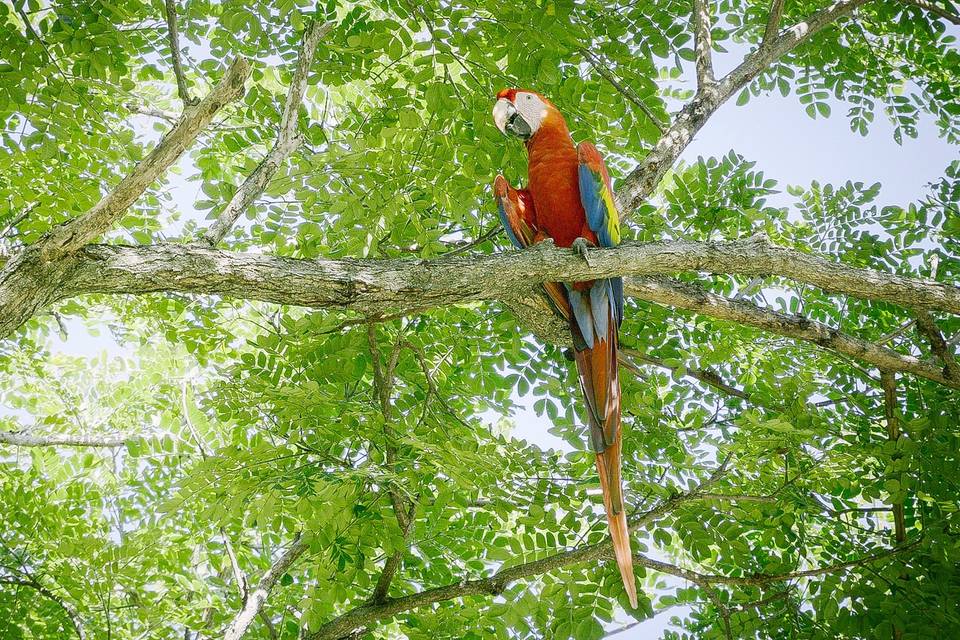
<point x="245" y="424"/>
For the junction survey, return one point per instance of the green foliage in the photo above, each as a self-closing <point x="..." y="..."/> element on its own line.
<point x="249" y="423"/>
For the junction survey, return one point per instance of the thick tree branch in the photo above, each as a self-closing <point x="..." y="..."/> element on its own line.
<point x="703" y="43"/>
<point x="889" y="383"/>
<point x="694" y="298"/>
<point x="376" y="286"/>
<point x="494" y="585"/>
<point x="287" y="140"/>
<point x="258" y="597"/>
<point x="390" y="287"/>
<point x="29" y="277"/>
<point x="642" y="181"/>
<point x="29" y="440"/>
<point x="373" y="611"/>
<point x="77" y="232"/>
<point x="173" y="35"/>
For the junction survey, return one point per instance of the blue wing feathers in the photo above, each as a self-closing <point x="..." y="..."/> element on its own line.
<point x="600" y="306"/>
<point x="616" y="285"/>
<point x="590" y="197"/>
<point x="580" y="303"/>
<point x="596" y="196"/>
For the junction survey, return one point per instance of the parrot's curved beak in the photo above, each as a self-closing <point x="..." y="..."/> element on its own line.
<point x="509" y="120"/>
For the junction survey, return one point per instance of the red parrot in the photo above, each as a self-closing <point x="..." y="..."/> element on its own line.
<point x="569" y="199"/>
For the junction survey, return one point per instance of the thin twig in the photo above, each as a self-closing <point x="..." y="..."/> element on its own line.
<point x="174" y="38"/>
<point x="707" y="376"/>
<point x="773" y="22"/>
<point x="153" y="113"/>
<point x="703" y="43"/>
<point x="624" y="90"/>
<point x="7" y="230"/>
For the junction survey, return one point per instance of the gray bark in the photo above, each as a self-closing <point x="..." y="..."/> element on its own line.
<point x="377" y="288"/>
<point x="258" y="597"/>
<point x="287" y="141"/>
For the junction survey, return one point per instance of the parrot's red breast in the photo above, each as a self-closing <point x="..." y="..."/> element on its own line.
<point x="552" y="181"/>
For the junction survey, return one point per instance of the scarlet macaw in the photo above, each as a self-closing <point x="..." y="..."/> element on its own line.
<point x="569" y="199"/>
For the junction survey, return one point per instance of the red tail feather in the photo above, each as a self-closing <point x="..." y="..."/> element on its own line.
<point x="600" y="382"/>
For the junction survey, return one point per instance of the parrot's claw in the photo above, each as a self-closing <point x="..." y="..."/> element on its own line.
<point x="581" y="246"/>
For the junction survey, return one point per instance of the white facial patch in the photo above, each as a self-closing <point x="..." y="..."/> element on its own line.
<point x="532" y="108"/>
<point x="502" y="111"/>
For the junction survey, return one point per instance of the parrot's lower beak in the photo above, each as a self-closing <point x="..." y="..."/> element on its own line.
<point x="509" y="120"/>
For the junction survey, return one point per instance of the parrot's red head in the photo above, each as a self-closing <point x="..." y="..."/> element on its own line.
<point x="522" y="112"/>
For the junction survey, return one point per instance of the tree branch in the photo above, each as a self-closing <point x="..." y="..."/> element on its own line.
<point x="287" y="140"/>
<point x="258" y="597"/>
<point x="174" y="38"/>
<point x="378" y="288"/>
<point x="373" y="611"/>
<point x="495" y="585"/>
<point x="404" y="511"/>
<point x="30" y="276"/>
<point x="28" y="440"/>
<point x="773" y="22"/>
<point x="74" y="234"/>
<point x="694" y="298"/>
<point x="703" y="43"/>
<point x="705" y="376"/>
<point x="758" y="580"/>
<point x="889" y="383"/>
<point x="628" y="93"/>
<point x="937" y="10"/>
<point x="642" y="181"/>
<point x="941" y="350"/>
<point x="72" y="615"/>
<point x="375" y="286"/>
<point x="153" y="113"/>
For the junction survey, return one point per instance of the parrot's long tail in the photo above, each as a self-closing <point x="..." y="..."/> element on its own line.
<point x="608" y="466"/>
<point x="594" y="314"/>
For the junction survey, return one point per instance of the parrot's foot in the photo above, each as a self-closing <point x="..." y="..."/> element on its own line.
<point x="581" y="246"/>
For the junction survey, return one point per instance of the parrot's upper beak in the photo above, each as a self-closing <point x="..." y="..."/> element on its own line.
<point x="509" y="120"/>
